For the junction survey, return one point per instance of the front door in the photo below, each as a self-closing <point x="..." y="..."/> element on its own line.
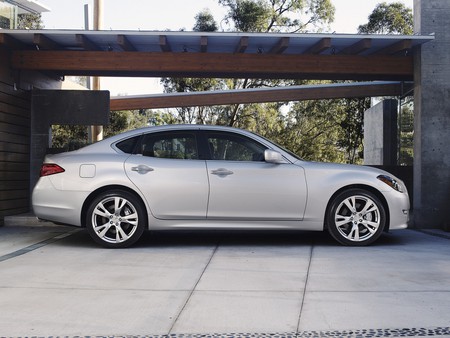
<point x="243" y="186"/>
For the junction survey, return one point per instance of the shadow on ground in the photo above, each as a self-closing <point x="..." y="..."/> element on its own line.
<point x="185" y="238"/>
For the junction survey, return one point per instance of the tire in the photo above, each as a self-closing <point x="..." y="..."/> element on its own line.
<point x="356" y="217"/>
<point x="116" y="219"/>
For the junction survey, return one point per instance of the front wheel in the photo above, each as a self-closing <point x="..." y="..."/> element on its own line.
<point x="356" y="217"/>
<point x="116" y="219"/>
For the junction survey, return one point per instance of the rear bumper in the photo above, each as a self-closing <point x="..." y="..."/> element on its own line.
<point x="57" y="206"/>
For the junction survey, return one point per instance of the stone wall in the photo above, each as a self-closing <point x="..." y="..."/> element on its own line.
<point x="432" y="116"/>
<point x="380" y="134"/>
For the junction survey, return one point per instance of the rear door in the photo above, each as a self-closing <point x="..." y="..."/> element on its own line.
<point x="169" y="173"/>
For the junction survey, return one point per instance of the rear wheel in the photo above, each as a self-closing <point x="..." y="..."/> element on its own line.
<point x="356" y="217"/>
<point x="116" y="219"/>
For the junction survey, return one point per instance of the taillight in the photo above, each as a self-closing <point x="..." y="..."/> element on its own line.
<point x="50" y="169"/>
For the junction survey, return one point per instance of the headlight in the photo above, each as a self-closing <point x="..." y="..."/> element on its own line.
<point x="392" y="182"/>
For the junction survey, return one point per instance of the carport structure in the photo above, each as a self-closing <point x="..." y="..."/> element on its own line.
<point x="227" y="55"/>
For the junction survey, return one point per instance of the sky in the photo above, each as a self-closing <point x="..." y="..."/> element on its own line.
<point x="161" y="15"/>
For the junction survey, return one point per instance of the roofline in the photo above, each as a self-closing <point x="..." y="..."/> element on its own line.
<point x="223" y="34"/>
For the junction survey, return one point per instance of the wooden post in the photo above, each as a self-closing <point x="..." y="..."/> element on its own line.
<point x="97" y="131"/>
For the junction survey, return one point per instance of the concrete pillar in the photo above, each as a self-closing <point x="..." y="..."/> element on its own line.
<point x="432" y="116"/>
<point x="380" y="134"/>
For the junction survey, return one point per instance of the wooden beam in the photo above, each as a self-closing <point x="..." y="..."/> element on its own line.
<point x="242" y="46"/>
<point x="10" y="42"/>
<point x="395" y="48"/>
<point x="357" y="48"/>
<point x="85" y="42"/>
<point x="163" y="44"/>
<point x="295" y="93"/>
<point x="224" y="65"/>
<point x="125" y="44"/>
<point x="203" y="44"/>
<point x="319" y="47"/>
<point x="280" y="47"/>
<point x="41" y="41"/>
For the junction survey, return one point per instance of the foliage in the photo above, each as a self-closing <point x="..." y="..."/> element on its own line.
<point x="69" y="138"/>
<point x="326" y="130"/>
<point x="158" y="117"/>
<point x="204" y="22"/>
<point x="394" y="18"/>
<point x="201" y="115"/>
<point x="278" y="15"/>
<point x="246" y="15"/>
<point x="352" y="128"/>
<point x="30" y="21"/>
<point x="406" y="135"/>
<point x="120" y="121"/>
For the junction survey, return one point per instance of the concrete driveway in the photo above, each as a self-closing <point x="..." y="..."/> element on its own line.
<point x="54" y="281"/>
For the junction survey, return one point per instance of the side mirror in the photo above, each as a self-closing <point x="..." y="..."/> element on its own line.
<point x="272" y="156"/>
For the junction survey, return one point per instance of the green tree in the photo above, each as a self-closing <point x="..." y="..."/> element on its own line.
<point x="201" y="115"/>
<point x="30" y="21"/>
<point x="394" y="18"/>
<point x="406" y="125"/>
<point x="68" y="138"/>
<point x="312" y="132"/>
<point x="279" y="15"/>
<point x="157" y="117"/>
<point x="247" y="16"/>
<point x="120" y="121"/>
<point x="352" y="128"/>
<point x="204" y="22"/>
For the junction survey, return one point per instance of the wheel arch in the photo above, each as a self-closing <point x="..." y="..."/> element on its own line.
<point x="374" y="191"/>
<point x="103" y="189"/>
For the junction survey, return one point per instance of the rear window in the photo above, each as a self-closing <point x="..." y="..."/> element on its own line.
<point x="128" y="145"/>
<point x="174" y="145"/>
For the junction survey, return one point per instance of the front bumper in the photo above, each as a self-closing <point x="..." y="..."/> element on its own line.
<point x="399" y="209"/>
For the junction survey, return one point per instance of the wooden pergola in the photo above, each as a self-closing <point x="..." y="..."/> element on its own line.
<point x="221" y="55"/>
<point x="262" y="95"/>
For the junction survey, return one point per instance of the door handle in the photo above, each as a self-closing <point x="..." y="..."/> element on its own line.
<point x="222" y="172"/>
<point x="142" y="169"/>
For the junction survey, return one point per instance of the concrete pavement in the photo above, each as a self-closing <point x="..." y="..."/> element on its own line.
<point x="55" y="281"/>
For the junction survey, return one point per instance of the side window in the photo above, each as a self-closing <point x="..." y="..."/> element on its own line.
<point x="170" y="145"/>
<point x="128" y="145"/>
<point x="233" y="147"/>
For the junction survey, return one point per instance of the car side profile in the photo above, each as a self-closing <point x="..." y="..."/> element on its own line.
<point x="211" y="177"/>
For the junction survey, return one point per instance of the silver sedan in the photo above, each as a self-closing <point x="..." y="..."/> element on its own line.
<point x="210" y="177"/>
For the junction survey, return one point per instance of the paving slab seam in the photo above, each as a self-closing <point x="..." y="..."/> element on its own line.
<point x="305" y="287"/>
<point x="443" y="331"/>
<point x="36" y="246"/>
<point x="193" y="289"/>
